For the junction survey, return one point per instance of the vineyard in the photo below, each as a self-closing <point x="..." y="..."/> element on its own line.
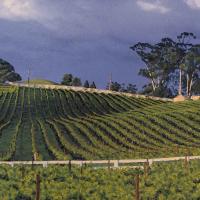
<point x="175" y="180"/>
<point x="55" y="124"/>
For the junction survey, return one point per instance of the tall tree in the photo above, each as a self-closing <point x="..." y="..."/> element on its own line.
<point x="93" y="85"/>
<point x="157" y="62"/>
<point x="163" y="59"/>
<point x="180" y="51"/>
<point x="67" y="79"/>
<point x="146" y="53"/>
<point x="86" y="84"/>
<point x="113" y="86"/>
<point x="76" y="81"/>
<point x="7" y="72"/>
<point x="131" y="88"/>
<point x="192" y="67"/>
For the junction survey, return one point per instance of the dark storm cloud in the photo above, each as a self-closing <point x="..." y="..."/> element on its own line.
<point x="89" y="38"/>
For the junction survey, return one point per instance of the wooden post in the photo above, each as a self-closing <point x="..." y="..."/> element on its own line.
<point x="81" y="169"/>
<point x="37" y="187"/>
<point x="146" y="168"/>
<point x="35" y="156"/>
<point x="186" y="164"/>
<point x="70" y="166"/>
<point x="137" y="187"/>
<point x="109" y="164"/>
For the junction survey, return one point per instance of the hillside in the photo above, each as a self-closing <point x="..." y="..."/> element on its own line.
<point x="64" y="124"/>
<point x="40" y="81"/>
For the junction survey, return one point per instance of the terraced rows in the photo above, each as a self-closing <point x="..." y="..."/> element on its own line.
<point x="44" y="124"/>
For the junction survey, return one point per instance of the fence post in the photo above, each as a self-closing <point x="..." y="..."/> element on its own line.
<point x="186" y="163"/>
<point x="45" y="164"/>
<point x="137" y="187"/>
<point x="70" y="166"/>
<point x="116" y="164"/>
<point x="37" y="187"/>
<point x="146" y="169"/>
<point x="109" y="164"/>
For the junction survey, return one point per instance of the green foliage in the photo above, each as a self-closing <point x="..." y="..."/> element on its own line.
<point x="76" y="81"/>
<point x="167" y="180"/>
<point x="114" y="86"/>
<point x="7" y="72"/>
<point x="62" y="125"/>
<point x="67" y="79"/>
<point x="86" y="84"/>
<point x="58" y="183"/>
<point x="163" y="59"/>
<point x="93" y="85"/>
<point x="40" y="81"/>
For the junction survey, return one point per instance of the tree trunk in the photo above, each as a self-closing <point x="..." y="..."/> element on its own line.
<point x="153" y="85"/>
<point x="180" y="82"/>
<point x="189" y="84"/>
<point x="187" y="92"/>
<point x="190" y="94"/>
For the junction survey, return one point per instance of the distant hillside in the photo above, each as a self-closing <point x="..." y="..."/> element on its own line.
<point x="40" y="81"/>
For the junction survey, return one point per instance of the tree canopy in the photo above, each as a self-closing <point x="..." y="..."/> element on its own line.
<point x="7" y="72"/>
<point x="164" y="59"/>
<point x="70" y="80"/>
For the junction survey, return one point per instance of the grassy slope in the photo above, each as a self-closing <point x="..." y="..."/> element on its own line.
<point x="41" y="81"/>
<point x="60" y="124"/>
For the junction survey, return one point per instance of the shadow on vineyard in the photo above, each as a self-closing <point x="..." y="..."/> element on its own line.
<point x="55" y="124"/>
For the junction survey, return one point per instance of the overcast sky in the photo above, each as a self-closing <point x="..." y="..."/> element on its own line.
<point x="88" y="38"/>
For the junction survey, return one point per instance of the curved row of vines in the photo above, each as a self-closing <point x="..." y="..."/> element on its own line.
<point x="44" y="124"/>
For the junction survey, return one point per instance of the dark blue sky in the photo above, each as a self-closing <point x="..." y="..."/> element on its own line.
<point x="88" y="38"/>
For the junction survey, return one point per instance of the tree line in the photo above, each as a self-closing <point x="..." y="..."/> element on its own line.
<point x="70" y="80"/>
<point x="171" y="66"/>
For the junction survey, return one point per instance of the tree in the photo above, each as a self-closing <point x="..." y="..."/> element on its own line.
<point x="192" y="67"/>
<point x="76" y="81"/>
<point x="157" y="65"/>
<point x="163" y="59"/>
<point x="114" y="86"/>
<point x="86" y="84"/>
<point x="93" y="85"/>
<point x="180" y="51"/>
<point x="7" y="72"/>
<point x="131" y="88"/>
<point x="146" y="53"/>
<point x="67" y="79"/>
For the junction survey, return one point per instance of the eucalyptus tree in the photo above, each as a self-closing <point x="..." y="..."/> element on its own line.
<point x="148" y="55"/>
<point x="179" y="53"/>
<point x="164" y="58"/>
<point x="157" y="59"/>
<point x="192" y="67"/>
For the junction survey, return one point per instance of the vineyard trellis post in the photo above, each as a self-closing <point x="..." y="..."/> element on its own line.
<point x="186" y="163"/>
<point x="137" y="187"/>
<point x="37" y="187"/>
<point x="109" y="164"/>
<point x="70" y="166"/>
<point x="146" y="169"/>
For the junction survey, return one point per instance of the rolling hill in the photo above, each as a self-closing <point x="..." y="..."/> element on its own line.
<point x="40" y="81"/>
<point x="56" y="124"/>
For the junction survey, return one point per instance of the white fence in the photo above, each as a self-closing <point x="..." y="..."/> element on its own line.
<point x="115" y="163"/>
